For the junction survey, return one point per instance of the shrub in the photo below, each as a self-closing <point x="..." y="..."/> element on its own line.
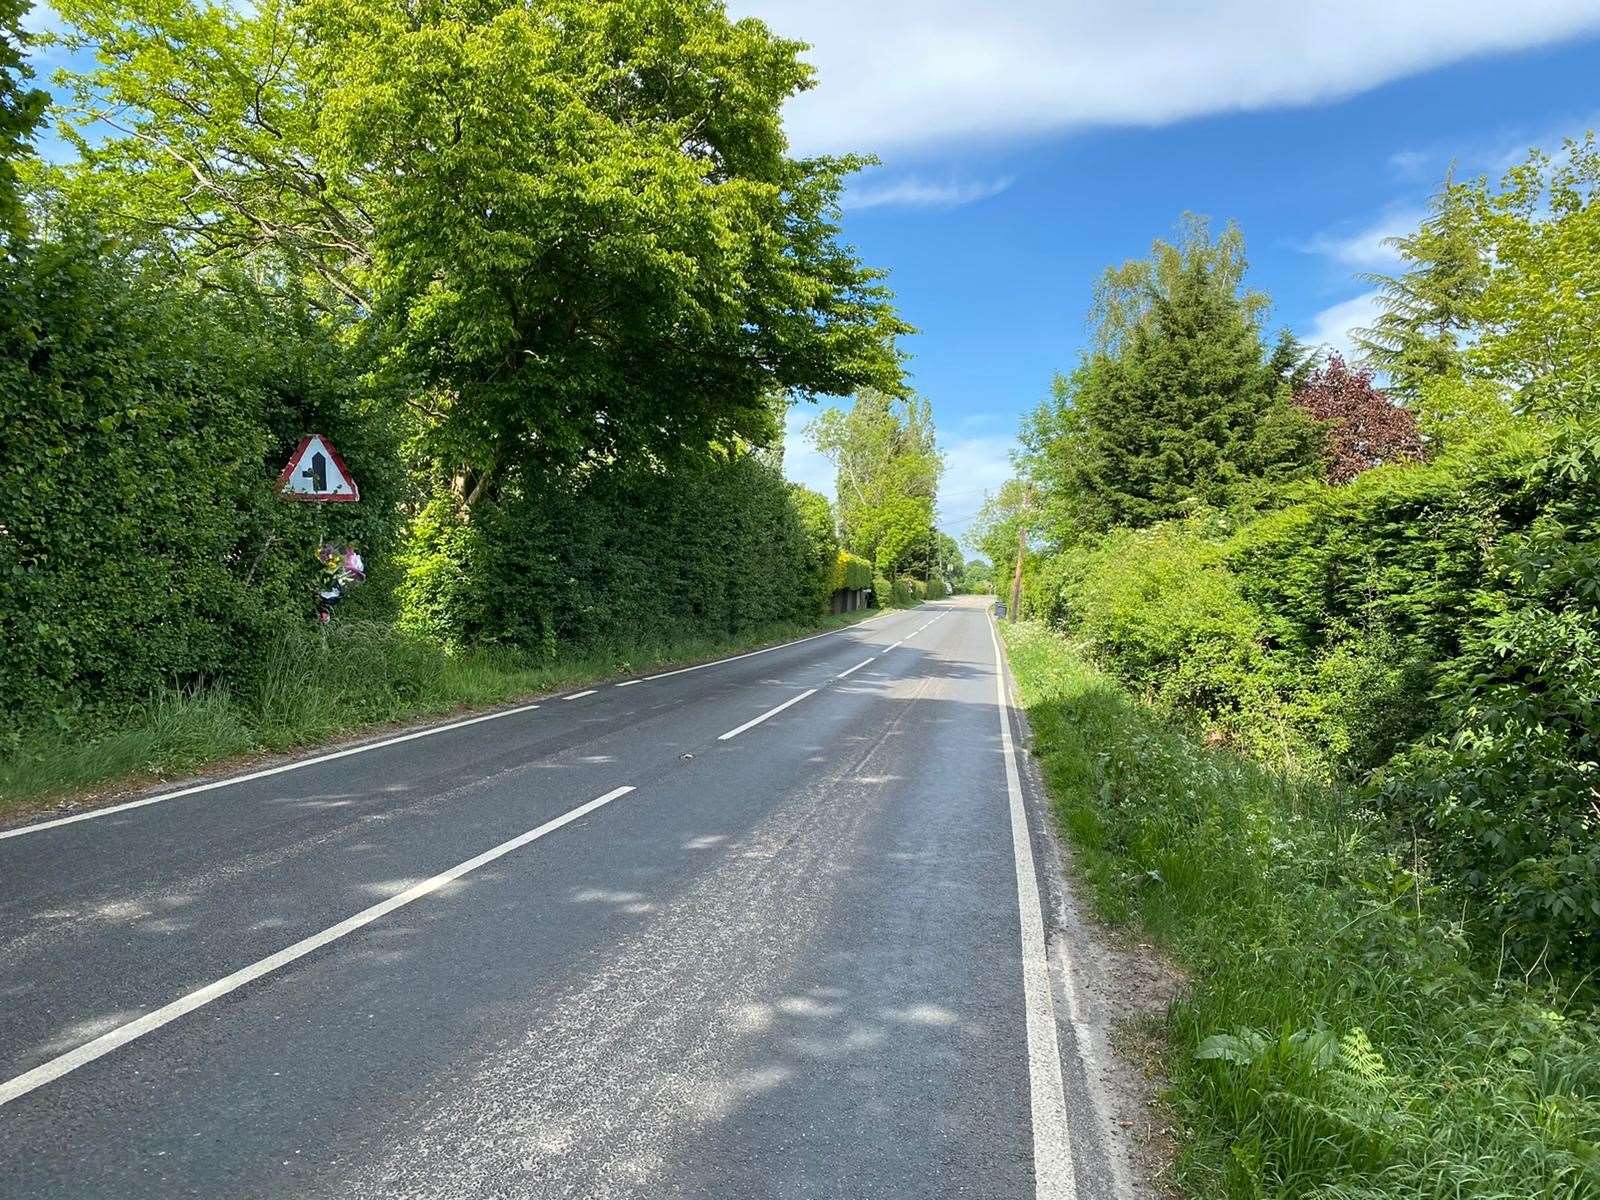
<point x="713" y="545"/>
<point x="145" y="421"/>
<point x="851" y="572"/>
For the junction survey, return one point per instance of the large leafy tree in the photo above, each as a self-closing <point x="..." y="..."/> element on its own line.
<point x="21" y="107"/>
<point x="888" y="464"/>
<point x="571" y="229"/>
<point x="1500" y="291"/>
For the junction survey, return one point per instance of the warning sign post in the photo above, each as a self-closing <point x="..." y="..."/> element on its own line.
<point x="316" y="473"/>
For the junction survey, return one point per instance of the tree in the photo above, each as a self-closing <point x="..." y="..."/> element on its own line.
<point x="993" y="532"/>
<point x="1125" y="296"/>
<point x="21" y="108"/>
<point x="888" y="465"/>
<point x="1427" y="311"/>
<point x="1363" y="427"/>
<point x="571" y="230"/>
<point x="1189" y="412"/>
<point x="1537" y="326"/>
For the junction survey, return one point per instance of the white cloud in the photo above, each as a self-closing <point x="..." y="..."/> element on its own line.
<point x="801" y="461"/>
<point x="1366" y="249"/>
<point x="973" y="468"/>
<point x="1332" y="326"/>
<point x="902" y="73"/>
<point x="922" y="193"/>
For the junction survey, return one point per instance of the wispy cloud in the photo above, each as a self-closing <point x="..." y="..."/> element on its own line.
<point x="973" y="468"/>
<point x="902" y="73"/>
<point x="1333" y="326"/>
<point x="1366" y="248"/>
<point x="922" y="193"/>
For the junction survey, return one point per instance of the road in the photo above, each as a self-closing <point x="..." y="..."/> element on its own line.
<point x="771" y="927"/>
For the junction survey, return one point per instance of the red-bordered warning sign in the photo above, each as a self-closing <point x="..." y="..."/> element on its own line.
<point x="316" y="473"/>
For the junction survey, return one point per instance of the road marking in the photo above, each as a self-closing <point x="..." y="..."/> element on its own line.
<point x="857" y="667"/>
<point x="1053" y="1175"/>
<point x="265" y="773"/>
<point x="213" y="785"/>
<point x="771" y="712"/>
<point x="22" y="1084"/>
<point x="579" y="695"/>
<point x="781" y="646"/>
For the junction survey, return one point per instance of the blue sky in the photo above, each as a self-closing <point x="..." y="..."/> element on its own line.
<point x="1028" y="144"/>
<point x="1009" y="185"/>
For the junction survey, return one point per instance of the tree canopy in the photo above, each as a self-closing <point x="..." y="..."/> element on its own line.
<point x="888" y="466"/>
<point x="21" y="108"/>
<point x="567" y="232"/>
<point x="1188" y="410"/>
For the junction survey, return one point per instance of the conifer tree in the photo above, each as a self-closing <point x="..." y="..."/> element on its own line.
<point x="1191" y="412"/>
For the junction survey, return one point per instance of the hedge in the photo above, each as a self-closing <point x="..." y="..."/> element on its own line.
<point x="145" y="421"/>
<point x="620" y="554"/>
<point x="851" y="572"/>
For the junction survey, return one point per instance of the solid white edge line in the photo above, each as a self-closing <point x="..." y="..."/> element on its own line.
<point x="22" y="1084"/>
<point x="857" y="667"/>
<point x="579" y="695"/>
<point x="1053" y="1172"/>
<point x="771" y="712"/>
<point x="265" y="773"/>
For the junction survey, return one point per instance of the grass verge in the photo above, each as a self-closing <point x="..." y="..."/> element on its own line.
<point x="1340" y="1039"/>
<point x="318" y="685"/>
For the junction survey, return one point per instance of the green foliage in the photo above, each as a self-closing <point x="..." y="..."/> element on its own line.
<point x="713" y="545"/>
<point x="571" y="232"/>
<point x="883" y="448"/>
<point x="851" y="572"/>
<point x="821" y="543"/>
<point x="995" y="529"/>
<point x="1442" y="613"/>
<point x="21" y="108"/>
<point x="1500" y="288"/>
<point x="1191" y="411"/>
<point x="1339" y="1038"/>
<point x="1427" y="312"/>
<point x="901" y="592"/>
<point x="1159" y="607"/>
<point x="139" y="537"/>
<point x="1507" y="791"/>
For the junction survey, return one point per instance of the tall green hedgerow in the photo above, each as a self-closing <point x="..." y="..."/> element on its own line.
<point x="624" y="554"/>
<point x="141" y="546"/>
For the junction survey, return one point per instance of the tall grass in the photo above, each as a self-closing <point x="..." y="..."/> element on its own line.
<point x="317" y="684"/>
<point x="1340" y="1039"/>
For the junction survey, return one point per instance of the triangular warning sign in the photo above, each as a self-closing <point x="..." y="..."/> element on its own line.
<point x="316" y="472"/>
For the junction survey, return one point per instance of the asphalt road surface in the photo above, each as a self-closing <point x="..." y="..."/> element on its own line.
<point x="771" y="927"/>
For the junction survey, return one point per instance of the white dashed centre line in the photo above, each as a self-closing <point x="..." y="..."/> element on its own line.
<point x="771" y="712"/>
<point x="857" y="667"/>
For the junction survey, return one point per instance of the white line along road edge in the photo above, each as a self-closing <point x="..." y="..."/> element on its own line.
<point x="771" y="712"/>
<point x="1053" y="1173"/>
<point x="45" y="1073"/>
<point x="266" y="773"/>
<point x="366" y="747"/>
